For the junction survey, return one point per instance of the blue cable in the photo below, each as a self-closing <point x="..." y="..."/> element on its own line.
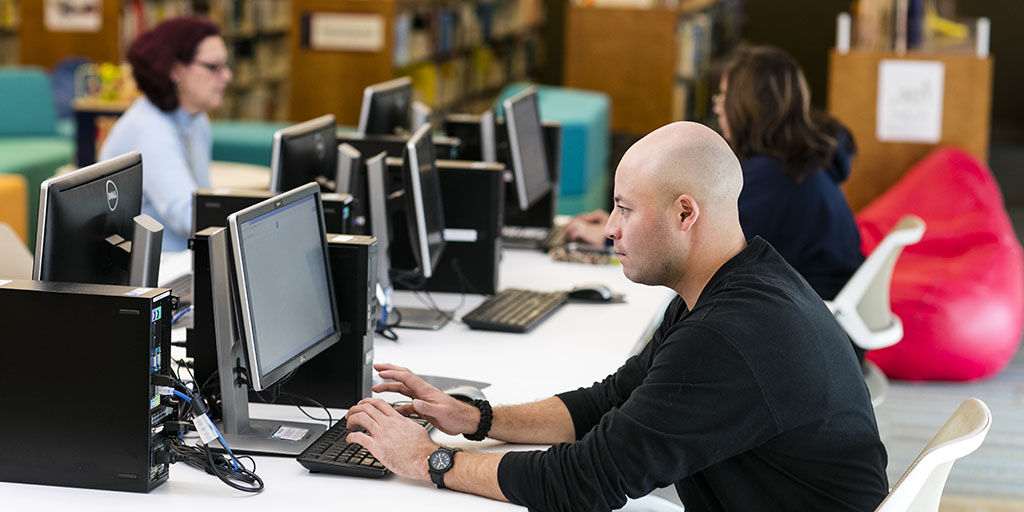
<point x="181" y="314"/>
<point x="234" y="461"/>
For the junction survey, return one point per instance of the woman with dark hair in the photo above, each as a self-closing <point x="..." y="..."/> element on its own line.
<point x="181" y="67"/>
<point x="793" y="163"/>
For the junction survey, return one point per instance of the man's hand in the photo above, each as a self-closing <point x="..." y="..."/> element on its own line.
<point x="587" y="227"/>
<point x="399" y="443"/>
<point x="444" y="412"/>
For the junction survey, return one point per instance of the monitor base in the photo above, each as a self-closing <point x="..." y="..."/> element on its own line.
<point x="257" y="438"/>
<point x="415" y="318"/>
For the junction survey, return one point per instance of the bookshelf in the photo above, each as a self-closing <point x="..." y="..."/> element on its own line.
<point x="459" y="53"/>
<point x="255" y="31"/>
<point x="669" y="50"/>
<point x="9" y="25"/>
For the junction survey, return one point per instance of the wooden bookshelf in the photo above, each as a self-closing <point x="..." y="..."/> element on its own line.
<point x="10" y="25"/>
<point x="654" y="62"/>
<point x="853" y="96"/>
<point x="440" y="45"/>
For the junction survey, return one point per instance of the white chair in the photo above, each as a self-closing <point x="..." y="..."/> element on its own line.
<point x="920" y="487"/>
<point x="651" y="503"/>
<point x="862" y="307"/>
<point x="15" y="260"/>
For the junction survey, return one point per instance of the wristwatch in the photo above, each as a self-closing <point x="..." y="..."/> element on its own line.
<point x="439" y="463"/>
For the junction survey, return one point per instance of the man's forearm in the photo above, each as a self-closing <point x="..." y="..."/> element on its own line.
<point x="476" y="473"/>
<point x="544" y="422"/>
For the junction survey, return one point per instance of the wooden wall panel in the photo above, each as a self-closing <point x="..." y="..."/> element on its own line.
<point x="331" y="82"/>
<point x="853" y="90"/>
<point x="40" y="47"/>
<point x="628" y="54"/>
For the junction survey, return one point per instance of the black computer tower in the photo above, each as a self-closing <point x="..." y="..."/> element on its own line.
<point x="339" y="376"/>
<point x="78" y="401"/>
<point x="343" y="374"/>
<point x="473" y="195"/>
<point x="466" y="128"/>
<point x="211" y="207"/>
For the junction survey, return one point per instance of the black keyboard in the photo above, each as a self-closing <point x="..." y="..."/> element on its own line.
<point x="514" y="310"/>
<point x="519" y="237"/>
<point x="330" y="453"/>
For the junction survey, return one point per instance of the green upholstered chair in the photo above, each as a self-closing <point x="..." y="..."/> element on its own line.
<point x="29" y="142"/>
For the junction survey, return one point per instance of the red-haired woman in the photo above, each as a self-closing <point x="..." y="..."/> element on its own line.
<point x="181" y="67"/>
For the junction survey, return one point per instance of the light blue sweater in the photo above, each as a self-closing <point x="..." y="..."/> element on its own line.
<point x="176" y="148"/>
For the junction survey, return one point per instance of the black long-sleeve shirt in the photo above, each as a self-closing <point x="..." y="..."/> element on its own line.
<point x="752" y="401"/>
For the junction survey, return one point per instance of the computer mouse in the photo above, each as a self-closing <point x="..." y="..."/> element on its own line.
<point x="593" y="292"/>
<point x="466" y="392"/>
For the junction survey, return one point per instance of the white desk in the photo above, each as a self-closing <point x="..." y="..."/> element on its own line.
<point x="578" y="344"/>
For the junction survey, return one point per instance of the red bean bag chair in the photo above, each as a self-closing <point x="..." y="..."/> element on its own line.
<point x="960" y="290"/>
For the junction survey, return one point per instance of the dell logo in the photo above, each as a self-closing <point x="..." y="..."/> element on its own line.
<point x="321" y="148"/>
<point x="111" y="195"/>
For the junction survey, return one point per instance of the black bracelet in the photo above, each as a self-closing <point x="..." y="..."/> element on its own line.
<point x="486" y="416"/>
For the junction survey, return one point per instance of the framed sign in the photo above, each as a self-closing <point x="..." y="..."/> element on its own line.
<point x="344" y="31"/>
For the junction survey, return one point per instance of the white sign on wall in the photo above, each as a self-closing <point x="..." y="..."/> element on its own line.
<point x="353" y="32"/>
<point x="73" y="15"/>
<point x="910" y="96"/>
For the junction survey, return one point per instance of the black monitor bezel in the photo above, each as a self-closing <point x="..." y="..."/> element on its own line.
<point x="415" y="202"/>
<point x="516" y="149"/>
<point x="278" y="172"/>
<point x="374" y="95"/>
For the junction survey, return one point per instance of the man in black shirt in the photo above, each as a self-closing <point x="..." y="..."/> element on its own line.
<point x="749" y="396"/>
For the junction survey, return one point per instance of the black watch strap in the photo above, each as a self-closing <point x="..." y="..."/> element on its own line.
<point x="486" y="418"/>
<point x="437" y="476"/>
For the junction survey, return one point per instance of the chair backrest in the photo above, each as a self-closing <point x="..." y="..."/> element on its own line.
<point x="15" y="260"/>
<point x="26" y="100"/>
<point x="920" y="487"/>
<point x="862" y="306"/>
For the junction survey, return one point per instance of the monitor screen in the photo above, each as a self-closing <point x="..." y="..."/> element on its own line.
<point x="84" y="217"/>
<point x="303" y="153"/>
<point x="285" y="291"/>
<point x="425" y="211"/>
<point x="387" y="108"/>
<point x="526" y="143"/>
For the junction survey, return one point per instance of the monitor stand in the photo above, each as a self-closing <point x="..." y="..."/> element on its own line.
<point x="242" y="433"/>
<point x="416" y="318"/>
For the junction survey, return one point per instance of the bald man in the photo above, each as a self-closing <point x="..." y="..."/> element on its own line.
<point x="748" y="397"/>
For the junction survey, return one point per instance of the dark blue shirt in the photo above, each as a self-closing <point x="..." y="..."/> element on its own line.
<point x="809" y="223"/>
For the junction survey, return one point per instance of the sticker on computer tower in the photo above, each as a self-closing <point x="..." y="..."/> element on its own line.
<point x="460" y="235"/>
<point x="138" y="291"/>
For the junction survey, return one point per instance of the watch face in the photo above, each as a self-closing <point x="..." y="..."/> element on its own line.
<point x="440" y="460"/>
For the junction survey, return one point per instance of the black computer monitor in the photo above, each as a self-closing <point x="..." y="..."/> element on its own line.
<point x="351" y="179"/>
<point x="387" y="108"/>
<point x="91" y="229"/>
<point x="303" y="153"/>
<point x="416" y="203"/>
<point x="272" y="262"/>
<point x="526" y="144"/>
<point x="425" y="209"/>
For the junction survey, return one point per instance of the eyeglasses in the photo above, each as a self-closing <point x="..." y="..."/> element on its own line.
<point x="214" y="67"/>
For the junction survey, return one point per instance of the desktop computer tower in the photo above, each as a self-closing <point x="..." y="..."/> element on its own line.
<point x="473" y="194"/>
<point x="78" y="401"/>
<point x="211" y="207"/>
<point x="343" y="374"/>
<point x="466" y="127"/>
<point x="338" y="377"/>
